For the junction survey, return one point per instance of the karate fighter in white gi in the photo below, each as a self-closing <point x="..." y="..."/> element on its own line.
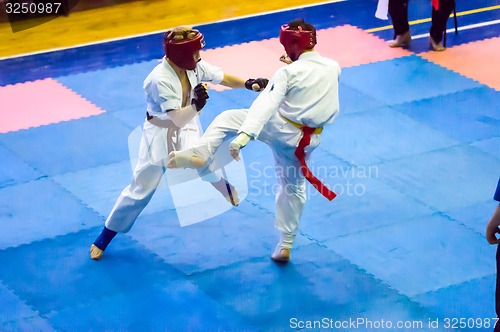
<point x="289" y="116"/>
<point x="175" y="94"/>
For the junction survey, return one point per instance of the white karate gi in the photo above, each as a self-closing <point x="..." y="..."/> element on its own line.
<point x="305" y="92"/>
<point x="163" y="92"/>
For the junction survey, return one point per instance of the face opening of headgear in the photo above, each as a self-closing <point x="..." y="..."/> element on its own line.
<point x="181" y="45"/>
<point x="297" y="37"/>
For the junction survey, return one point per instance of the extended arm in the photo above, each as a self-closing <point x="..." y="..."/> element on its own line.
<point x="232" y="81"/>
<point x="180" y="117"/>
<point x="261" y="111"/>
<point x="266" y="105"/>
<point x="209" y="73"/>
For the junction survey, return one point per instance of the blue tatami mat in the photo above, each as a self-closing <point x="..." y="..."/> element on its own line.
<point x="466" y="300"/>
<point x="466" y="116"/>
<point x="100" y="187"/>
<point x="474" y="216"/>
<point x="408" y="79"/>
<point x="38" y="210"/>
<point x="445" y="179"/>
<point x="131" y="117"/>
<point x="321" y="284"/>
<point x="139" y="296"/>
<point x="364" y="203"/>
<point x="177" y="306"/>
<point x="353" y="101"/>
<point x="17" y="315"/>
<point x="72" y="145"/>
<point x="398" y="254"/>
<point x="388" y="134"/>
<point x="239" y="234"/>
<point x="105" y="88"/>
<point x="490" y="146"/>
<point x="414" y="157"/>
<point x="14" y="170"/>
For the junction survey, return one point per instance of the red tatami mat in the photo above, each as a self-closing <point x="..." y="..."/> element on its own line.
<point x="349" y="45"/>
<point x="38" y="103"/>
<point x="477" y="60"/>
<point x="248" y="60"/>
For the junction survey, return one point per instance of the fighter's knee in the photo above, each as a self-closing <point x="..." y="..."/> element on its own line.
<point x="294" y="189"/>
<point x="227" y="116"/>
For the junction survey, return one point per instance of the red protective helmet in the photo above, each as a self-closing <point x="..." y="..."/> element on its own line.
<point x="180" y="46"/>
<point x="296" y="40"/>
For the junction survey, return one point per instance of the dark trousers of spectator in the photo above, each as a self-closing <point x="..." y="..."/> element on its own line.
<point x="439" y="19"/>
<point x="398" y="9"/>
<point x="497" y="293"/>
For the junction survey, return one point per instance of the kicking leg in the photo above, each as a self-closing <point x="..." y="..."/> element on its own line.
<point x="224" y="126"/>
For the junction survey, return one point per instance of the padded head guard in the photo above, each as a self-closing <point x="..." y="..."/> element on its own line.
<point x="181" y="44"/>
<point x="297" y="36"/>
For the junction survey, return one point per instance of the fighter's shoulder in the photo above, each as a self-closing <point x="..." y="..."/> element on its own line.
<point x="160" y="77"/>
<point x="163" y="73"/>
<point x="331" y="65"/>
<point x="330" y="61"/>
<point x="283" y="73"/>
<point x="203" y="65"/>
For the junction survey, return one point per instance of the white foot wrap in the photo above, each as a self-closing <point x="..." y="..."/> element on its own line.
<point x="180" y="159"/>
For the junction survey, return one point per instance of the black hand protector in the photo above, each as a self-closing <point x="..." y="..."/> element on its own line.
<point x="261" y="82"/>
<point x="200" y="96"/>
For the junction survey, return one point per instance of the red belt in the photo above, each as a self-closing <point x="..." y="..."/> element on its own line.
<point x="435" y="4"/>
<point x="300" y="153"/>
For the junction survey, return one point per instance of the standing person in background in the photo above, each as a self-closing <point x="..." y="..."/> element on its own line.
<point x="441" y="10"/>
<point x="491" y="231"/>
<point x="175" y="94"/>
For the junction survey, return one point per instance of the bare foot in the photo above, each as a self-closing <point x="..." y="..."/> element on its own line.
<point x="228" y="191"/>
<point x="95" y="252"/>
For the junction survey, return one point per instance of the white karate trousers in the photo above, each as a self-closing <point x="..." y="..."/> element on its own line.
<point x="282" y="137"/>
<point x="151" y="165"/>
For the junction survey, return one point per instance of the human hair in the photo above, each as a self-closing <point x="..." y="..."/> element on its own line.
<point x="295" y="24"/>
<point x="181" y="33"/>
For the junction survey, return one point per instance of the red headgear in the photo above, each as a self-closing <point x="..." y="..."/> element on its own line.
<point x="181" y="51"/>
<point x="296" y="41"/>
